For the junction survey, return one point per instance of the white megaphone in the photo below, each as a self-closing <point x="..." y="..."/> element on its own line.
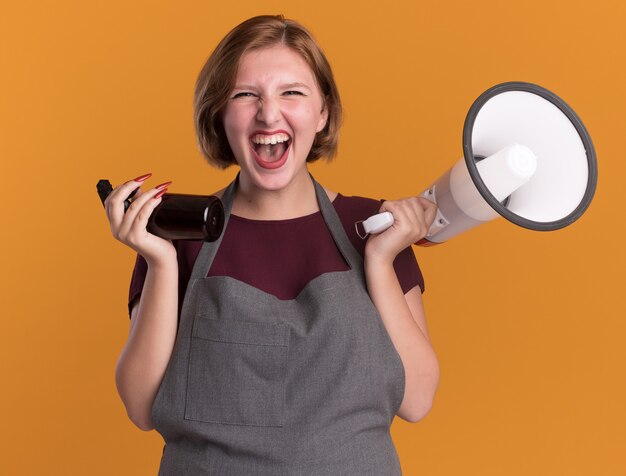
<point x="527" y="157"/>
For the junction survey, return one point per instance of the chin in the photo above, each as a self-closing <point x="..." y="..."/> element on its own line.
<point x="272" y="181"/>
<point x="275" y="179"/>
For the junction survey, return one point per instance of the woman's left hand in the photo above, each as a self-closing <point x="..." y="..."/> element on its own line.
<point x="412" y="219"/>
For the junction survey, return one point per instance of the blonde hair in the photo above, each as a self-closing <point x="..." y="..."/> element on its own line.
<point x="217" y="79"/>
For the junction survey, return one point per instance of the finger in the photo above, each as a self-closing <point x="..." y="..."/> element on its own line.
<point x="430" y="210"/>
<point x="126" y="186"/>
<point x="399" y="211"/>
<point x="416" y="219"/>
<point x="136" y="207"/>
<point x="136" y="194"/>
<point x="137" y="191"/>
<point x="388" y="206"/>
<point x="137" y="230"/>
<point x="415" y="216"/>
<point x="114" y="202"/>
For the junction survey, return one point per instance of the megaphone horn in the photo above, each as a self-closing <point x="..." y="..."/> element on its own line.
<point x="527" y="157"/>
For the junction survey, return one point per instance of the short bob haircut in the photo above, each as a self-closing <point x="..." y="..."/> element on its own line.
<point x="217" y="80"/>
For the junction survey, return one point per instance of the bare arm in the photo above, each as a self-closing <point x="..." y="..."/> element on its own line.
<point x="154" y="319"/>
<point x="403" y="315"/>
<point x="144" y="359"/>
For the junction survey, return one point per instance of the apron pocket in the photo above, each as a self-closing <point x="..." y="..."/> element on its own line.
<point x="237" y="372"/>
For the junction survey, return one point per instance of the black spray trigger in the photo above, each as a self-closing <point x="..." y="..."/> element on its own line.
<point x="104" y="188"/>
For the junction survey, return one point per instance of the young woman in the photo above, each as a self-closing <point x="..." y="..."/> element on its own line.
<point x="289" y="345"/>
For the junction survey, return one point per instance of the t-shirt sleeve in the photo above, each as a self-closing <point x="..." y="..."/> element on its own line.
<point x="356" y="209"/>
<point x="186" y="253"/>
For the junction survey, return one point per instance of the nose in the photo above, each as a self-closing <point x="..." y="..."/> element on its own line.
<point x="268" y="110"/>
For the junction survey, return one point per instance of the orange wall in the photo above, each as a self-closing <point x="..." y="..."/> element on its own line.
<point x="528" y="326"/>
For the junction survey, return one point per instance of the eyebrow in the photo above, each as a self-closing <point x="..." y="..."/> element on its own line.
<point x="285" y="86"/>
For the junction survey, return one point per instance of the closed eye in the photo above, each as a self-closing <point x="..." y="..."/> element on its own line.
<point x="241" y="95"/>
<point x="249" y="94"/>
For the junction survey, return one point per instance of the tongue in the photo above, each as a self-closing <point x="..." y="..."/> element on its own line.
<point x="271" y="153"/>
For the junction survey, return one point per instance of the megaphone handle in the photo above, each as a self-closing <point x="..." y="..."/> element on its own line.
<point x="378" y="223"/>
<point x="381" y="221"/>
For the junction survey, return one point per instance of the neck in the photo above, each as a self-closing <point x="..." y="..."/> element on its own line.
<point x="295" y="200"/>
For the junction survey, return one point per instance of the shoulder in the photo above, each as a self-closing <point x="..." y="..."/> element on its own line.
<point x="352" y="210"/>
<point x="355" y="208"/>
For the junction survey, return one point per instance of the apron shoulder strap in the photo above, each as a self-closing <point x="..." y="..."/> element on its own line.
<point x="351" y="255"/>
<point x="209" y="249"/>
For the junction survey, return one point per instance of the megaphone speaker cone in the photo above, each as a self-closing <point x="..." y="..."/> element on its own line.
<point x="563" y="184"/>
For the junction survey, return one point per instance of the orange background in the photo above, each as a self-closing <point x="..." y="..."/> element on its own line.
<point x="527" y="325"/>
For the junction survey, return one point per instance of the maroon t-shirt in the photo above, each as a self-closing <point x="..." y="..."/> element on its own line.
<point x="281" y="256"/>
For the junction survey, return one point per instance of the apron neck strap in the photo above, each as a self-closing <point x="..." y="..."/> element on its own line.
<point x="352" y="256"/>
<point x="209" y="249"/>
<point x="349" y="253"/>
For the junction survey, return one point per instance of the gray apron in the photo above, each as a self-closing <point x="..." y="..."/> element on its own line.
<point x="262" y="386"/>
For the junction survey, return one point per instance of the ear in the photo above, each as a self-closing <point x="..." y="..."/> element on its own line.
<point x="323" y="118"/>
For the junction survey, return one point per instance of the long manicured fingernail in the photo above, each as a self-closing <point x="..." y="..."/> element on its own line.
<point x="143" y="177"/>
<point x="160" y="194"/>
<point x="163" y="185"/>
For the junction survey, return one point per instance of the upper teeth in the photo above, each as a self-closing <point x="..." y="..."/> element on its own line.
<point x="275" y="139"/>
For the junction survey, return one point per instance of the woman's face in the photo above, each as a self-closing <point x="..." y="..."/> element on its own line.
<point x="272" y="116"/>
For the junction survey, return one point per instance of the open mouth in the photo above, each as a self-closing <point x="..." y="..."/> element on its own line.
<point x="271" y="152"/>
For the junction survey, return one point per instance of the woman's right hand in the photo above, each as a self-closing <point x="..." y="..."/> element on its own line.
<point x="130" y="227"/>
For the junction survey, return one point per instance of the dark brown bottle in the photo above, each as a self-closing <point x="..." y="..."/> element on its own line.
<point x="180" y="216"/>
